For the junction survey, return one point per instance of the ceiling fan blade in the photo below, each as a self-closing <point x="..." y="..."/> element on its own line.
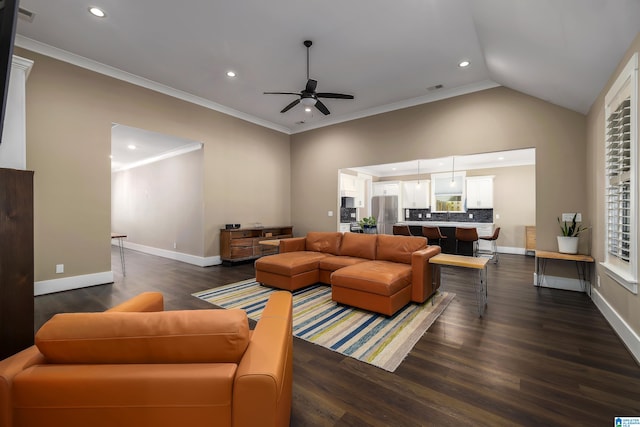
<point x="323" y="108"/>
<point x="281" y="93"/>
<point x="311" y="86"/>
<point x="334" y="95"/>
<point x="290" y="106"/>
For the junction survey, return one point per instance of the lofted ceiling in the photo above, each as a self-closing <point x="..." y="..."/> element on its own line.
<point x="388" y="54"/>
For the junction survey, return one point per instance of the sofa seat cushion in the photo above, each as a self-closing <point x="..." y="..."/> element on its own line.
<point x="181" y="336"/>
<point x="376" y="277"/>
<point x="290" y="263"/>
<point x="333" y="263"/>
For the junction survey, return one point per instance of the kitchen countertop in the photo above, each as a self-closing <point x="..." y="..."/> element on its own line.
<point x="446" y="223"/>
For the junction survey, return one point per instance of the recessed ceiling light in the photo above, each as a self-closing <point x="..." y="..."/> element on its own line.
<point x="231" y="74"/>
<point x="500" y="158"/>
<point x="307" y="109"/>
<point x="131" y="147"/>
<point x="464" y="64"/>
<point x="96" y="11"/>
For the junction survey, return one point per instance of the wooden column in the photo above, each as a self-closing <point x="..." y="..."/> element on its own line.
<point x="16" y="261"/>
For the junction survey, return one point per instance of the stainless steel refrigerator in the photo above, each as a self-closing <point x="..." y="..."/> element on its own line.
<point x="385" y="210"/>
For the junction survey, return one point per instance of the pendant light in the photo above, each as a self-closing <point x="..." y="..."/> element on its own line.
<point x="453" y="168"/>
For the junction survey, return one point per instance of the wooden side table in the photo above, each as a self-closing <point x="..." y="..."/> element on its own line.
<point x="583" y="265"/>
<point x="476" y="263"/>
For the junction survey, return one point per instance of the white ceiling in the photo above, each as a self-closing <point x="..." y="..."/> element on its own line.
<point x="385" y="53"/>
<point x="131" y="147"/>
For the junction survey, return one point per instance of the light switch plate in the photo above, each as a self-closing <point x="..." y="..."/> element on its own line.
<point x="568" y="217"/>
<point x="59" y="268"/>
<point x="330" y="213"/>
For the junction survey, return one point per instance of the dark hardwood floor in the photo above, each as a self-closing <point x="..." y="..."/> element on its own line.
<point x="539" y="357"/>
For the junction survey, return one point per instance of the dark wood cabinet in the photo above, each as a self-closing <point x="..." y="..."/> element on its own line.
<point x="16" y="261"/>
<point x="242" y="244"/>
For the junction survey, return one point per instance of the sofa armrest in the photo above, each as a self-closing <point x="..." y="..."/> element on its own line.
<point x="263" y="384"/>
<point x="293" y="244"/>
<point x="424" y="282"/>
<point x="9" y="368"/>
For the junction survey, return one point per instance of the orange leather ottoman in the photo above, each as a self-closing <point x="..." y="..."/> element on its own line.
<point x="289" y="270"/>
<point x="380" y="286"/>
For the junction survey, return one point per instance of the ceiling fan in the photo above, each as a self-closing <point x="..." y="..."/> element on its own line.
<point x="309" y="96"/>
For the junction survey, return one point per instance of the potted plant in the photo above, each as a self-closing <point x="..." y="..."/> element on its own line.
<point x="369" y="225"/>
<point x="568" y="241"/>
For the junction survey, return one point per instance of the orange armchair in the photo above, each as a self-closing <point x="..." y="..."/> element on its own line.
<point x="137" y="365"/>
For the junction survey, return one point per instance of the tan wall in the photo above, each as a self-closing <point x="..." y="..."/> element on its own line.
<point x="492" y="120"/>
<point x="626" y="304"/>
<point x="69" y="116"/>
<point x="162" y="203"/>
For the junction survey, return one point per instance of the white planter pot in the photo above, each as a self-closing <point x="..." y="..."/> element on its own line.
<point x="568" y="245"/>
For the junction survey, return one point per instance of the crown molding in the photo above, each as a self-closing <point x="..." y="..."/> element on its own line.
<point x="71" y="58"/>
<point x="439" y="95"/>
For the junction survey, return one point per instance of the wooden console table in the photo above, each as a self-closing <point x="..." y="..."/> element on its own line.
<point x="476" y="263"/>
<point x="583" y="265"/>
<point x="241" y="244"/>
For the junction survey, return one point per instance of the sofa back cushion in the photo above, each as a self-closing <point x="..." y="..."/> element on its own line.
<point x="359" y="245"/>
<point x="398" y="248"/>
<point x="183" y="336"/>
<point x="324" y="241"/>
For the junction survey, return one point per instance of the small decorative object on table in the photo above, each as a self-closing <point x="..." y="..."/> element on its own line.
<point x="369" y="225"/>
<point x="568" y="242"/>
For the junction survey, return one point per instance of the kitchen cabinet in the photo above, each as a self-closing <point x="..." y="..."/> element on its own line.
<point x="243" y="244"/>
<point x="348" y="185"/>
<point x="361" y="184"/>
<point x="386" y="188"/>
<point x="415" y="194"/>
<point x="480" y="192"/>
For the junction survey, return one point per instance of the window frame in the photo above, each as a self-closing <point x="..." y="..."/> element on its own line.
<point x="616" y="226"/>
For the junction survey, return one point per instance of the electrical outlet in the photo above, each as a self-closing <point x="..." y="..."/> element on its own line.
<point x="59" y="268"/>
<point x="330" y="213"/>
<point x="428" y="215"/>
<point x="175" y="245"/>
<point x="419" y="215"/>
<point x="470" y="216"/>
<point x="497" y="216"/>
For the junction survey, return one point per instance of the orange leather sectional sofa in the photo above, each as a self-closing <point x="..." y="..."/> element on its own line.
<point x="137" y="365"/>
<point x="376" y="272"/>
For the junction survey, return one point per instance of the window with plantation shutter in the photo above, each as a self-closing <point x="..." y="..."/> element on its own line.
<point x="621" y="178"/>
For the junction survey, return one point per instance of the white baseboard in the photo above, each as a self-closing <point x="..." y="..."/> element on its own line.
<point x="178" y="256"/>
<point x="630" y="339"/>
<point x="564" y="283"/>
<point x="74" y="282"/>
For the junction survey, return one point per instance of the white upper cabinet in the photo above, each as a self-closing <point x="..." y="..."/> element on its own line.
<point x="348" y="185"/>
<point x="386" y="188"/>
<point x="415" y="194"/>
<point x="480" y="192"/>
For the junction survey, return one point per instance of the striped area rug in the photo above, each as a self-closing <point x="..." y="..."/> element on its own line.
<point x="369" y="337"/>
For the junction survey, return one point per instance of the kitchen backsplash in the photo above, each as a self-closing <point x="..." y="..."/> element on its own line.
<point x="479" y="215"/>
<point x="348" y="215"/>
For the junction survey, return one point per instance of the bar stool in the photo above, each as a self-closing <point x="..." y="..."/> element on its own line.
<point x="494" y="243"/>
<point x="433" y="233"/>
<point x="402" y="230"/>
<point x="467" y="235"/>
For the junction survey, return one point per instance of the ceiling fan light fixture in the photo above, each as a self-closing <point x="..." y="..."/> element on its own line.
<point x="308" y="102"/>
